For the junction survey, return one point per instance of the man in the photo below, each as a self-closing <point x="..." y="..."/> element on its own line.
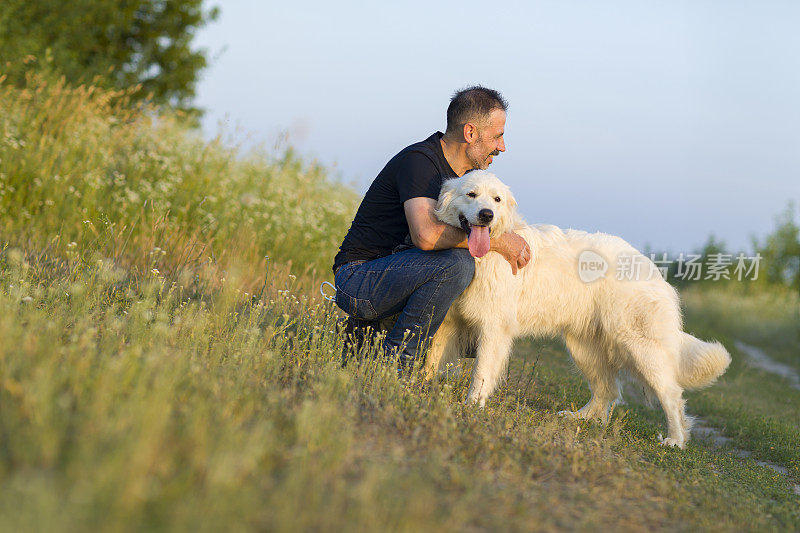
<point x="377" y="273"/>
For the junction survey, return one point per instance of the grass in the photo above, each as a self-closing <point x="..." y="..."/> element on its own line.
<point x="156" y="374"/>
<point x="757" y="409"/>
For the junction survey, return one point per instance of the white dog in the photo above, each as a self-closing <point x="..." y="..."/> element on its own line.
<point x="608" y="301"/>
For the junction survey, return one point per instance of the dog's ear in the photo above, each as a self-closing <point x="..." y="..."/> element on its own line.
<point x="446" y="196"/>
<point x="512" y="202"/>
<point x="515" y="219"/>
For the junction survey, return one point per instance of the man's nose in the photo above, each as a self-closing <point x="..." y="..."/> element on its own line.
<point x="502" y="145"/>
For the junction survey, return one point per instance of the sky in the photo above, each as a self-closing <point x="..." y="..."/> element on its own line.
<point x="661" y="122"/>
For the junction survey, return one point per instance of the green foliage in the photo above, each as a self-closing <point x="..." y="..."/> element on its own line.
<point x="712" y="246"/>
<point x="123" y="44"/>
<point x="781" y="251"/>
<point x="778" y="259"/>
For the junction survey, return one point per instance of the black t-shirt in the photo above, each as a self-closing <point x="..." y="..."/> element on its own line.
<point x="380" y="224"/>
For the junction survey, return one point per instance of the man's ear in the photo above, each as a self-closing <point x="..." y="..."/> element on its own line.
<point x="470" y="132"/>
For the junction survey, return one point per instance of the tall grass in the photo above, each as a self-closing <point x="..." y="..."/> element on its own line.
<point x="81" y="165"/>
<point x="132" y="405"/>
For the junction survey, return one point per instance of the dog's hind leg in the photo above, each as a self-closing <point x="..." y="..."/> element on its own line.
<point x="494" y="349"/>
<point x="658" y="370"/>
<point x="446" y="347"/>
<point x="594" y="363"/>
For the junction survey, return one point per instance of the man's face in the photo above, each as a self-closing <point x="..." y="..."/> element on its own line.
<point x="489" y="142"/>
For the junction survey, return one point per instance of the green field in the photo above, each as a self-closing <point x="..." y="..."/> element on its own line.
<point x="156" y="372"/>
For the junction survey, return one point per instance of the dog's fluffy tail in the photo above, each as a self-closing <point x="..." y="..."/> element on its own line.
<point x="701" y="363"/>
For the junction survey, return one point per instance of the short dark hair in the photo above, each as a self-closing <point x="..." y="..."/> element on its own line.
<point x="472" y="103"/>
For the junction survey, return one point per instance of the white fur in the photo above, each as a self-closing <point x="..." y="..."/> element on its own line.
<point x="611" y="326"/>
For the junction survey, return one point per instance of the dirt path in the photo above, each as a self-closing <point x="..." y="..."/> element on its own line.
<point x="702" y="431"/>
<point x="758" y="359"/>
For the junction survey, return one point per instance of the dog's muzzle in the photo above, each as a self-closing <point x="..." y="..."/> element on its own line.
<point x="484" y="217"/>
<point x="464" y="223"/>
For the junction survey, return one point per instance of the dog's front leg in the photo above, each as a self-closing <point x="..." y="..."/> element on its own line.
<point x="494" y="349"/>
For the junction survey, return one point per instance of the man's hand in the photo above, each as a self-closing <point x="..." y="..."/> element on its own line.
<point x="514" y="248"/>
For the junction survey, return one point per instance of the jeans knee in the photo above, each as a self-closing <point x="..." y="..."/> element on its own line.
<point x="460" y="267"/>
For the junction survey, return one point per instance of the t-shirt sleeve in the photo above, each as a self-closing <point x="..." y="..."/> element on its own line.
<point x="417" y="176"/>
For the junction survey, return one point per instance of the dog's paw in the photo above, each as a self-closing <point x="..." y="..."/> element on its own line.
<point x="475" y="400"/>
<point x="669" y="441"/>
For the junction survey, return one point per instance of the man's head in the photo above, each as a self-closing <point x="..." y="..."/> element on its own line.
<point x="477" y="116"/>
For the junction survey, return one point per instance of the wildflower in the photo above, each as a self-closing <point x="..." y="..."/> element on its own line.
<point x="247" y="199"/>
<point x="155" y="272"/>
<point x="26" y="299"/>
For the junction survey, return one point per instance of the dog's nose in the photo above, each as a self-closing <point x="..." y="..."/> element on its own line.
<point x="485" y="216"/>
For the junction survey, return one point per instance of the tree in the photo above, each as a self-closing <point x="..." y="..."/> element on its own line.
<point x="693" y="267"/>
<point x="781" y="251"/>
<point x="122" y="43"/>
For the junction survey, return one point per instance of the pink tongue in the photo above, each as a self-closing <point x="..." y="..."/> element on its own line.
<point x="478" y="241"/>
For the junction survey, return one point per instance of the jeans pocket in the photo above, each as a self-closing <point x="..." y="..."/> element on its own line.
<point x="355" y="307"/>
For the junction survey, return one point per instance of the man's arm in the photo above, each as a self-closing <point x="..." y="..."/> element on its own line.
<point x="428" y="233"/>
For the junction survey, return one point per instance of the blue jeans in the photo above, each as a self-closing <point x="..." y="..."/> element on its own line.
<point x="419" y="285"/>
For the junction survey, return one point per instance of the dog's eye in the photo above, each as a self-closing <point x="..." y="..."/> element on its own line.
<point x="497" y="199"/>
<point x="472" y="195"/>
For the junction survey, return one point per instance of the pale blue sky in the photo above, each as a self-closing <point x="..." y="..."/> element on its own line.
<point x="661" y="122"/>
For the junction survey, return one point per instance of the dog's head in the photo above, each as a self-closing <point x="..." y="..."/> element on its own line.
<point x="480" y="204"/>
